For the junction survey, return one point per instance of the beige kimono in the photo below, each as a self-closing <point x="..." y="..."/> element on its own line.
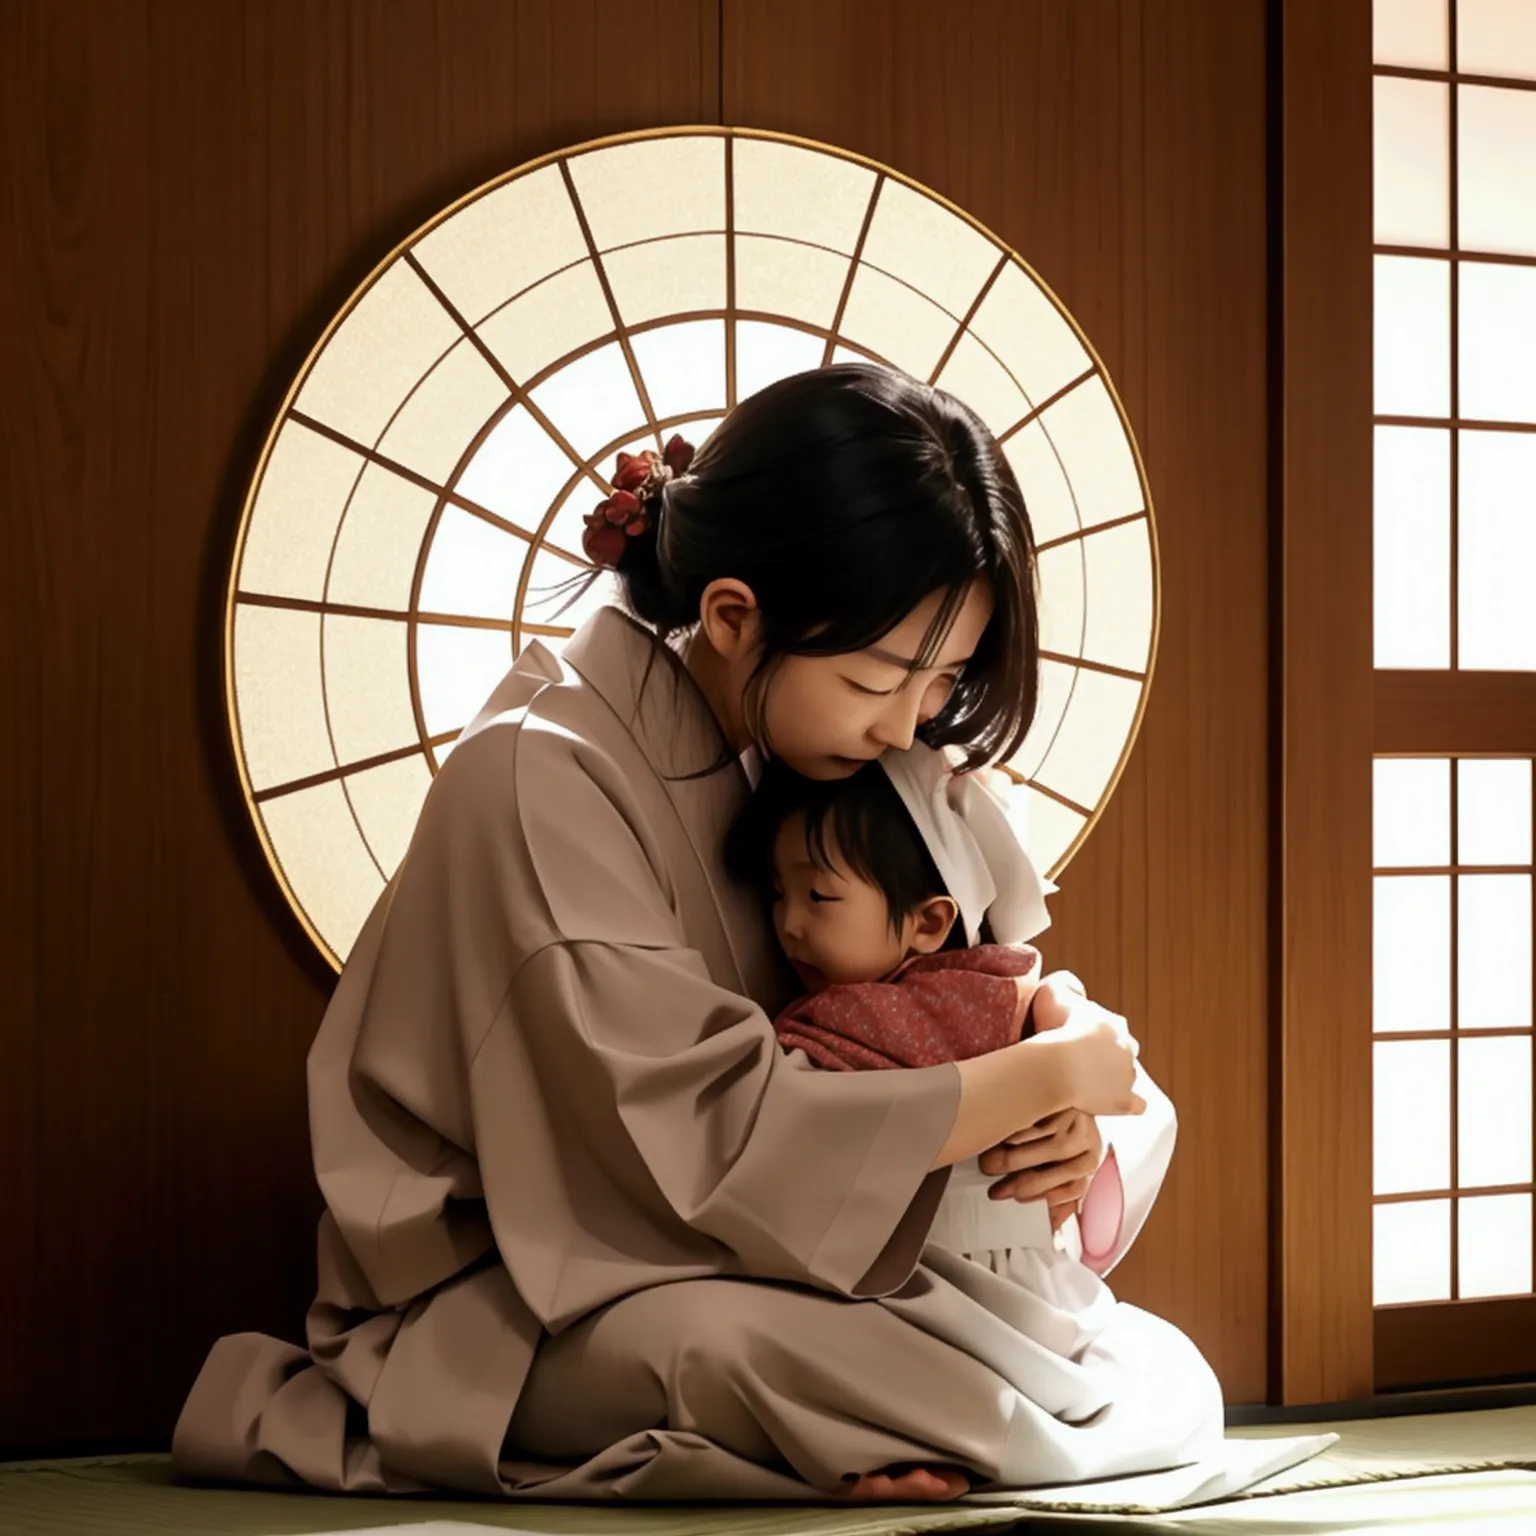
<point x="589" y="1232"/>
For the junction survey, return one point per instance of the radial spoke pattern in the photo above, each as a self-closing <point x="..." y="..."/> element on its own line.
<point x="416" y="518"/>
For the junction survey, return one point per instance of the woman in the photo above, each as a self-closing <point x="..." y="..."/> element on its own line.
<point x="588" y="1233"/>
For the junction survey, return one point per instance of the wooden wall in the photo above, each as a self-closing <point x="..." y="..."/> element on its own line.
<point x="190" y="192"/>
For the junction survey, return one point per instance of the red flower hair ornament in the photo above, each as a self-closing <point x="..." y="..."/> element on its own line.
<point x="638" y="480"/>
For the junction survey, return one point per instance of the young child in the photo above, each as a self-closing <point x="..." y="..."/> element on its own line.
<point x="890" y="890"/>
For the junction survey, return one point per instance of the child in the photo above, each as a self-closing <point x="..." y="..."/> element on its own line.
<point x="887" y="888"/>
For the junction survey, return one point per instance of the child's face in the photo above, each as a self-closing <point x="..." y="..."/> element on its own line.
<point x="833" y="926"/>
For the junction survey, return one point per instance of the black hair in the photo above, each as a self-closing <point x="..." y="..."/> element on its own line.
<point x="871" y="829"/>
<point x="843" y="497"/>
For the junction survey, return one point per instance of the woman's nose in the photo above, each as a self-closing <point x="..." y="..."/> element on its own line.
<point x="897" y="727"/>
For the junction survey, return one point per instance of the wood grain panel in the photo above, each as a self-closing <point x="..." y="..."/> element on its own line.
<point x="1120" y="148"/>
<point x="1466" y="713"/>
<point x="191" y="191"/>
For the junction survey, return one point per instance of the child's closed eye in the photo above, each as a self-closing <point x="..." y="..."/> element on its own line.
<point x="817" y="896"/>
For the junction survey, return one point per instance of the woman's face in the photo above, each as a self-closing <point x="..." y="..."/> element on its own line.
<point x="828" y="715"/>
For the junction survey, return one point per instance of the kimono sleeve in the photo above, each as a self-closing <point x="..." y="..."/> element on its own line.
<point x="1137" y="1152"/>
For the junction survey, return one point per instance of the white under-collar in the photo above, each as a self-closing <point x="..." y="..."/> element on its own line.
<point x="752" y="764"/>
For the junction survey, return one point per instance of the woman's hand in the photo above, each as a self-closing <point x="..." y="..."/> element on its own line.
<point x="1053" y="1161"/>
<point x="1098" y="1060"/>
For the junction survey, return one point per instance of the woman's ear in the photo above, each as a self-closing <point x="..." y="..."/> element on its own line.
<point x="931" y="923"/>
<point x="729" y="617"/>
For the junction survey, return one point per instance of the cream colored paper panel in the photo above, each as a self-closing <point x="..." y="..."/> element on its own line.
<point x="518" y="470"/>
<point x="1056" y="680"/>
<point x="1496" y="37"/>
<point x="456" y="670"/>
<point x="325" y="860"/>
<point x="1411" y="812"/>
<point x="1497" y="342"/>
<point x="668" y="186"/>
<point x="683" y="367"/>
<point x="387" y="802"/>
<point x="299" y="506"/>
<point x="548" y="322"/>
<point x="1118" y="562"/>
<point x="368" y="366"/>
<point x="1053" y="828"/>
<point x="1496" y="570"/>
<point x="445" y="410"/>
<point x="1412" y="548"/>
<point x="1493" y="802"/>
<point x="472" y="567"/>
<point x="1413" y="336"/>
<point x="281" y="711"/>
<point x="780" y="277"/>
<point x="1411" y="33"/>
<point x="1047" y="496"/>
<point x="1493" y="974"/>
<point x="667" y="277"/>
<point x="923" y="243"/>
<point x="367" y="687"/>
<point x="897" y="324"/>
<point x="1411" y="953"/>
<point x="1092" y="737"/>
<point x="973" y="375"/>
<point x="1086" y="431"/>
<point x="766" y="353"/>
<point x="503" y="242"/>
<point x="1062" y="599"/>
<point x="1018" y="321"/>
<point x="592" y="401"/>
<point x="1494" y="1250"/>
<point x="1411" y="1121"/>
<point x="380" y="539"/>
<point x="1493" y="1116"/>
<point x="1411" y="1251"/>
<point x="800" y="193"/>
<point x="1412" y="163"/>
<point x="1495" y="157"/>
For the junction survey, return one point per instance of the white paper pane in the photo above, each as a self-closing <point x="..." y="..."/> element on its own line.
<point x="847" y="354"/>
<point x="518" y="470"/>
<point x="1413" y="337"/>
<point x="1030" y="336"/>
<point x="1056" y="679"/>
<point x="975" y="377"/>
<point x="1053" y="828"/>
<point x="1411" y="803"/>
<point x="1411" y="953"/>
<point x="668" y="186"/>
<point x="1412" y="163"/>
<point x="805" y="194"/>
<point x="766" y="353"/>
<point x="549" y="322"/>
<point x="683" y="367"/>
<point x="387" y="802"/>
<point x="1411" y="33"/>
<point x="503" y="242"/>
<point x="1493" y="1114"/>
<point x="1496" y="37"/>
<point x="1493" y="797"/>
<point x="909" y="331"/>
<point x="324" y="860"/>
<point x="1411" y="1115"/>
<point x="1047" y="495"/>
<point x="1496" y="169"/>
<point x="1092" y="737"/>
<point x="548" y="573"/>
<point x="368" y="365"/>
<point x="592" y="401"/>
<point x="380" y="539"/>
<point x="1411" y="1252"/>
<point x="923" y="243"/>
<point x="456" y="672"/>
<point x="1498" y="342"/>
<point x="667" y="277"/>
<point x="1494" y="1246"/>
<point x="1412" y="614"/>
<point x="1493" y="972"/>
<point x="1063" y="599"/>
<point x="367" y="686"/>
<point x="442" y="414"/>
<point x="472" y="567"/>
<point x="278" y="697"/>
<point x="1497" y="567"/>
<point x="299" y="505"/>
<point x="1096" y="454"/>
<point x="782" y="277"/>
<point x="1119" y="565"/>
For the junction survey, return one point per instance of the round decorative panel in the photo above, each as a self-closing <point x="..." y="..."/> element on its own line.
<point x="422" y="490"/>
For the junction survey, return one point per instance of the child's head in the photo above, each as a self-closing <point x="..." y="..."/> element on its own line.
<point x="855" y="889"/>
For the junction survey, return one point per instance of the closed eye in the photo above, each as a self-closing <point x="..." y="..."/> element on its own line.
<point x="817" y="896"/>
